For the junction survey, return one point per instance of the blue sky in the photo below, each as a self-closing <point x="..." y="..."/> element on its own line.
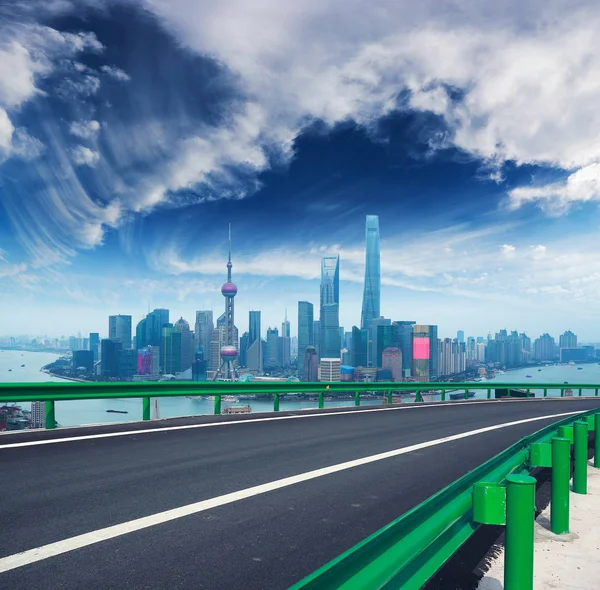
<point x="133" y="131"/>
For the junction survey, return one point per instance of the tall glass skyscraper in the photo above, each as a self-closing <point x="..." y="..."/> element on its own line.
<point x="305" y="331"/>
<point x="372" y="293"/>
<point x="330" y="344"/>
<point x="330" y="280"/>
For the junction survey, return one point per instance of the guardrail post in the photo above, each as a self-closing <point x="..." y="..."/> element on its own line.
<point x="466" y="394"/>
<point x="50" y="415"/>
<point x="596" y="392"/>
<point x="418" y="397"/>
<point x="146" y="408"/>
<point x="562" y="392"/>
<point x="597" y="439"/>
<point x="545" y="392"/>
<point x="321" y="401"/>
<point x="489" y="393"/>
<point x="217" y="409"/>
<point x="561" y="474"/>
<point x="520" y="516"/>
<point x="443" y="395"/>
<point x="390" y="398"/>
<point x="357" y="398"/>
<point x="276" y="402"/>
<point x="580" y="393"/>
<point x="580" y="457"/>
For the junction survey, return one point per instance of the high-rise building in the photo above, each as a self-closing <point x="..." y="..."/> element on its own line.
<point x="360" y="343"/>
<point x="148" y="361"/>
<point x="317" y="336"/>
<point x="331" y="370"/>
<point x="310" y="371"/>
<point x="199" y="366"/>
<point x="372" y="290"/>
<point x="330" y="280"/>
<point x="109" y="353"/>
<point x="460" y="335"/>
<point x="119" y="328"/>
<point x="273" y="359"/>
<point x="544" y="348"/>
<point x="187" y="344"/>
<point x="94" y="343"/>
<point x="171" y="350"/>
<point x="203" y="332"/>
<point x="424" y="353"/>
<point x="254" y="352"/>
<point x="385" y="339"/>
<point x="285" y="342"/>
<point x="155" y="322"/>
<point x="229" y="351"/>
<point x="403" y="340"/>
<point x="242" y="359"/>
<point x="305" y="331"/>
<point x="567" y="340"/>
<point x="126" y="363"/>
<point x="330" y="331"/>
<point x="372" y="359"/>
<point x="38" y="415"/>
<point x="391" y="360"/>
<point x="140" y="334"/>
<point x="83" y="359"/>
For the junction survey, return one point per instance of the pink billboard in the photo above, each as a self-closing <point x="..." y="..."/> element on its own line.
<point x="421" y="349"/>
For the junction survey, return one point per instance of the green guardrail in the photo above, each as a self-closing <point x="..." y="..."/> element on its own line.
<point x="434" y="391"/>
<point x="407" y="552"/>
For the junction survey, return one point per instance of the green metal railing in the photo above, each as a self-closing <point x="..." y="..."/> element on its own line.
<point x="408" y="552"/>
<point x="430" y="392"/>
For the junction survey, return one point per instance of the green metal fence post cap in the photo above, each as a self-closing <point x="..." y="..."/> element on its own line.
<point x="521" y="479"/>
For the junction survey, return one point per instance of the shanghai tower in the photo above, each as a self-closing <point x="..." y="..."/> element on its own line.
<point x="372" y="293"/>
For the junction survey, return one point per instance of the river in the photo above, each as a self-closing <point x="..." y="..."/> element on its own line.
<point x="94" y="411"/>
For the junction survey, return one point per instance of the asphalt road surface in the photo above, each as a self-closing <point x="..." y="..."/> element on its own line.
<point x="232" y="502"/>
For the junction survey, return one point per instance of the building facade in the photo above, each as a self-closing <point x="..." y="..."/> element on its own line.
<point x="119" y="328"/>
<point x="330" y="370"/>
<point x="372" y="289"/>
<point x="305" y="331"/>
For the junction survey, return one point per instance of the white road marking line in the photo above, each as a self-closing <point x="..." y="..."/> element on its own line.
<point x="457" y="404"/>
<point x="59" y="547"/>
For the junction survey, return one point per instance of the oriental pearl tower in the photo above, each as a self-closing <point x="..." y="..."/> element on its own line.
<point x="229" y="351"/>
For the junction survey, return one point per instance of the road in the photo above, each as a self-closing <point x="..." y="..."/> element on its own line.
<point x="233" y="502"/>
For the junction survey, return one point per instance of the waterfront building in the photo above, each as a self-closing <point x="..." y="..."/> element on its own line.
<point x="38" y="415"/>
<point x="460" y="335"/>
<point x="83" y="359"/>
<point x="94" y="343"/>
<point x="305" y="331"/>
<point x="391" y="360"/>
<point x="403" y="340"/>
<point x="242" y="356"/>
<point x="424" y="353"/>
<point x="360" y="342"/>
<point x="229" y="350"/>
<point x="372" y="359"/>
<point x="285" y="343"/>
<point x="187" y="343"/>
<point x="311" y="365"/>
<point x="365" y="374"/>
<point x="119" y="328"/>
<point x="330" y="370"/>
<point x="273" y="359"/>
<point x="567" y="340"/>
<point x="140" y="334"/>
<point x="148" y="361"/>
<point x="385" y="339"/>
<point x="203" y="332"/>
<point x="372" y="288"/>
<point x="109" y="354"/>
<point x="346" y="373"/>
<point x="126" y="363"/>
<point x="568" y="355"/>
<point x="544" y="348"/>
<point x="199" y="366"/>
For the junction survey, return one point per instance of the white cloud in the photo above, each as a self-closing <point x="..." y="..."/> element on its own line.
<point x="83" y="156"/>
<point x="508" y="250"/>
<point x="85" y="129"/>
<point x="116" y="73"/>
<point x="6" y="132"/>
<point x="580" y="186"/>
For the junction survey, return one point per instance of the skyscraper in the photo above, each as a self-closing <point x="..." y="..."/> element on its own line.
<point x="372" y="291"/>
<point x="403" y="340"/>
<point x="119" y="328"/>
<point x="424" y="353"/>
<point x="284" y="341"/>
<point x="330" y="331"/>
<point x="460" y="335"/>
<point x="254" y="352"/>
<point x="273" y="359"/>
<point x="203" y="332"/>
<point x="305" y="331"/>
<point x="110" y="357"/>
<point x="94" y="343"/>
<point x="229" y="351"/>
<point x="187" y="343"/>
<point x="360" y="342"/>
<point x="155" y="322"/>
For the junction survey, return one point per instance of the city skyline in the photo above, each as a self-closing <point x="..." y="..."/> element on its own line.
<point x="486" y="195"/>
